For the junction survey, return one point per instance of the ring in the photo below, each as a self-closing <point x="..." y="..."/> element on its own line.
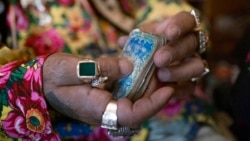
<point x="89" y="72"/>
<point x="206" y="71"/>
<point x="123" y="132"/>
<point x="203" y="37"/>
<point x="109" y="117"/>
<point x="196" y="16"/>
<point x="203" y="40"/>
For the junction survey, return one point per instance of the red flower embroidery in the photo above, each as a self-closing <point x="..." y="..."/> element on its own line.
<point x="33" y="74"/>
<point x="45" y="43"/>
<point x="29" y="118"/>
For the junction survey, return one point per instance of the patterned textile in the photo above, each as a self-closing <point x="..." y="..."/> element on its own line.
<point x="24" y="112"/>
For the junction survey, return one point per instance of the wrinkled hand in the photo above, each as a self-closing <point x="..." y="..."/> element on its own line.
<point x="68" y="95"/>
<point x="176" y="61"/>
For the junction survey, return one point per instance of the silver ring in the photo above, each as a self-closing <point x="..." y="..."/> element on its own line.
<point x="196" y="16"/>
<point x="109" y="117"/>
<point x="98" y="81"/>
<point x="124" y="132"/>
<point x="88" y="71"/>
<point x="203" y="40"/>
<point x="205" y="72"/>
<point x="203" y="37"/>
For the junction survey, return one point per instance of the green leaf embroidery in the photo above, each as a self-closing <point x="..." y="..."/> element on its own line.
<point x="3" y="100"/>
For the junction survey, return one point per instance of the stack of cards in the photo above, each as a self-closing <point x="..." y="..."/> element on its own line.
<point x="139" y="49"/>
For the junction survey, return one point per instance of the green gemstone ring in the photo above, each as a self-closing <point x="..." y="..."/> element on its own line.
<point x="88" y="71"/>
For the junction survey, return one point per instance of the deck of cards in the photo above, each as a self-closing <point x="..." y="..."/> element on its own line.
<point x="139" y="49"/>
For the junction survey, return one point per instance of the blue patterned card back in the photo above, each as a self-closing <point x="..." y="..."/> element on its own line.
<point x="139" y="49"/>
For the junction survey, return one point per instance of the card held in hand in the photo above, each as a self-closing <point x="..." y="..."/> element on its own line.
<point x="139" y="49"/>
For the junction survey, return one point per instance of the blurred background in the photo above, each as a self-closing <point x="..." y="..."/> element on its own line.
<point x="229" y="23"/>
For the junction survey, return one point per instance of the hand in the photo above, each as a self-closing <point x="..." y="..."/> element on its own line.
<point x="68" y="95"/>
<point x="176" y="61"/>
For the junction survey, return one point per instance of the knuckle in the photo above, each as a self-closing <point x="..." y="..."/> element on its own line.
<point x="194" y="40"/>
<point x="108" y="67"/>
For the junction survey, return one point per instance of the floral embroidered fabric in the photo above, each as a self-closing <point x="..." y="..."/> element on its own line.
<point x="24" y="112"/>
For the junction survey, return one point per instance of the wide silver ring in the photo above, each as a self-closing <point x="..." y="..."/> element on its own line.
<point x="202" y="35"/>
<point x="196" y="16"/>
<point x="203" y="41"/>
<point x="109" y="117"/>
<point x="88" y="71"/>
<point x="123" y="132"/>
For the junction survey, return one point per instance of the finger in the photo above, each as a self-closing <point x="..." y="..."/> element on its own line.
<point x="176" y="26"/>
<point x="114" y="68"/>
<point x="151" y="87"/>
<point x="185" y="70"/>
<point x="148" y="92"/>
<point x="80" y="102"/>
<point x="172" y="27"/>
<point x="132" y="115"/>
<point x="62" y="68"/>
<point x="176" y="50"/>
<point x="122" y="40"/>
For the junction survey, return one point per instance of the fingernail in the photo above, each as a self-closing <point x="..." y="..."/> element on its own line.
<point x="162" y="26"/>
<point x="126" y="67"/>
<point x="173" y="32"/>
<point x="122" y="40"/>
<point x="164" y="74"/>
<point x="163" y="58"/>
